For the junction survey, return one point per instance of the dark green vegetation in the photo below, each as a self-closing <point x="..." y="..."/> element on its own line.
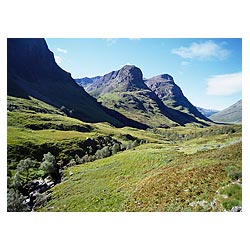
<point x="232" y="114"/>
<point x="123" y="169"/>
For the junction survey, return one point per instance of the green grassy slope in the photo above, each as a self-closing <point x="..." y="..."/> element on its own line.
<point x="156" y="177"/>
<point x="176" y="167"/>
<point x="35" y="128"/>
<point x="136" y="105"/>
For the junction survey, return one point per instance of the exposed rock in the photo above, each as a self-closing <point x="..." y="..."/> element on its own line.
<point x="192" y="204"/>
<point x="171" y="94"/>
<point x="213" y="204"/>
<point x="201" y="203"/>
<point x="236" y="209"/>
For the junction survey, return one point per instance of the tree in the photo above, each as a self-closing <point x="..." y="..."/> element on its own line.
<point x="16" y="202"/>
<point x="116" y="148"/>
<point x="48" y="165"/>
<point x="72" y="163"/>
<point x="78" y="160"/>
<point x="22" y="175"/>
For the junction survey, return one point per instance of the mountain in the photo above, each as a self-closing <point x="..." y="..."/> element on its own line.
<point x="86" y="81"/>
<point x="232" y="114"/>
<point x="207" y="112"/>
<point x="171" y="95"/>
<point x="33" y="72"/>
<point x="125" y="91"/>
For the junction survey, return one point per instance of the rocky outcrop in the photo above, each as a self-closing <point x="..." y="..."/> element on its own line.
<point x="128" y="78"/>
<point x="131" y="78"/>
<point x="172" y="95"/>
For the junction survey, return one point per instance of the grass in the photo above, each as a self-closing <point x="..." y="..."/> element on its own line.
<point x="178" y="169"/>
<point x="154" y="177"/>
<point x="31" y="105"/>
<point x="136" y="105"/>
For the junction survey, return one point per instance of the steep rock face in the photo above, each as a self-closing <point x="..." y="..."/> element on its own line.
<point x="32" y="71"/>
<point x="171" y="94"/>
<point x="128" y="78"/>
<point x="232" y="114"/>
<point x="131" y="78"/>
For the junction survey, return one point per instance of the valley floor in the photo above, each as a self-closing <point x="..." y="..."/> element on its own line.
<point x="200" y="174"/>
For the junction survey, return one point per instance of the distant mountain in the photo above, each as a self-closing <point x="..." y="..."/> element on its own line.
<point x="232" y="114"/>
<point x="86" y="81"/>
<point x="32" y="71"/>
<point x="207" y="112"/>
<point x="171" y="95"/>
<point x="125" y="91"/>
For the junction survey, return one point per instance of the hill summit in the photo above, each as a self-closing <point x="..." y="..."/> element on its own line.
<point x="171" y="95"/>
<point x="128" y="78"/>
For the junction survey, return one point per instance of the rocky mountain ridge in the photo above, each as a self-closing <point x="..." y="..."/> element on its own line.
<point x="126" y="91"/>
<point x="171" y="95"/>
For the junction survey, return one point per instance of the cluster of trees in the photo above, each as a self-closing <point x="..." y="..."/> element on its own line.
<point x="196" y="134"/>
<point x="27" y="170"/>
<point x="19" y="186"/>
<point x="103" y="152"/>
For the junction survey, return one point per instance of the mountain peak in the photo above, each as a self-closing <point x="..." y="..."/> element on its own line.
<point x="166" y="77"/>
<point x="131" y="77"/>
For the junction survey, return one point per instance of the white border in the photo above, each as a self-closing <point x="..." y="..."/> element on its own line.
<point x="131" y="19"/>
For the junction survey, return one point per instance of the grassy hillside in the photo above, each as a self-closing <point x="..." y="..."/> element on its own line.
<point x="136" y="105"/>
<point x="143" y="170"/>
<point x="164" y="176"/>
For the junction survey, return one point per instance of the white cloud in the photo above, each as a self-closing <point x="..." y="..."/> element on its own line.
<point x="58" y="59"/>
<point x="224" y="84"/>
<point x="111" y="41"/>
<point x="135" y="39"/>
<point x="202" y="51"/>
<point x="62" y="50"/>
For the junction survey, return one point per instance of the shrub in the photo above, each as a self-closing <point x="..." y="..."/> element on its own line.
<point x="116" y="148"/>
<point x="16" y="202"/>
<point x="234" y="172"/>
<point x="72" y="163"/>
<point x="48" y="165"/>
<point x="22" y="176"/>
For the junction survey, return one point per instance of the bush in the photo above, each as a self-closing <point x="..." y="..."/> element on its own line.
<point x="102" y="153"/>
<point x="234" y="172"/>
<point x="72" y="163"/>
<point x="23" y="174"/>
<point x="116" y="148"/>
<point x="16" y="202"/>
<point x="48" y="165"/>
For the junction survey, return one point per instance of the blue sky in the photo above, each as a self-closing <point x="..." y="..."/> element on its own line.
<point x="208" y="70"/>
